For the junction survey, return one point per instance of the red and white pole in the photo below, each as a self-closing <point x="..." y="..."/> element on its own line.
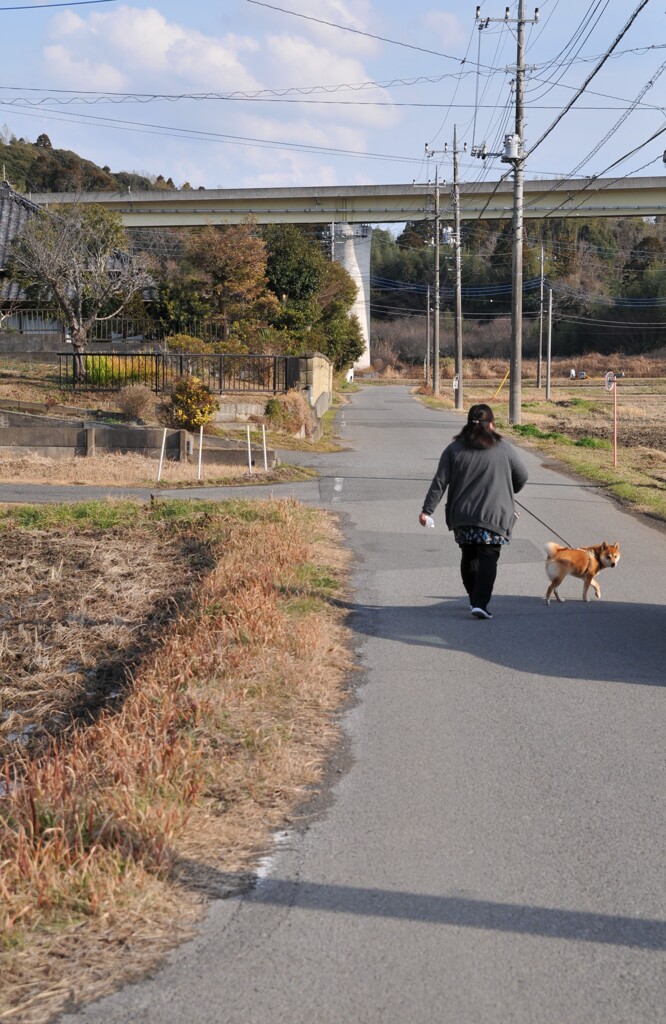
<point x="610" y="380"/>
<point x="615" y="421"/>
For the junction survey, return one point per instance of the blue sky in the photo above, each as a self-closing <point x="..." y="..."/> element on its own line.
<point x="270" y="137"/>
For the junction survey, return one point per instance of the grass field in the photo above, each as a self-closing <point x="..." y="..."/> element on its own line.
<point x="169" y="678"/>
<point x="576" y="428"/>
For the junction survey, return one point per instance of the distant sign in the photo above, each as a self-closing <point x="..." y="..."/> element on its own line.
<point x="456" y="382"/>
<point x="609" y="380"/>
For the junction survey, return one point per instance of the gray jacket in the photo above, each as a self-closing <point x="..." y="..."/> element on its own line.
<point x="481" y="484"/>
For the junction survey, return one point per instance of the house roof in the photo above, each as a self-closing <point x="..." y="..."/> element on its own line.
<point x="14" y="211"/>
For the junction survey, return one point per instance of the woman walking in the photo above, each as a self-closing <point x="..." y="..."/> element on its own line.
<point x="482" y="473"/>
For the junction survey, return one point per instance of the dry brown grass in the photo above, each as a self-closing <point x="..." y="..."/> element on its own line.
<point x="111" y="469"/>
<point x="223" y="722"/>
<point x="578" y="426"/>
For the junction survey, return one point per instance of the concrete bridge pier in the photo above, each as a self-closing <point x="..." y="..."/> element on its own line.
<point x="351" y="248"/>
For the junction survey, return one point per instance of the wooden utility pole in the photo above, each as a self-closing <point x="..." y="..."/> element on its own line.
<point x="514" y="154"/>
<point x="457" y="242"/>
<point x="515" y="377"/>
<point x="549" y="342"/>
<point x="428" y="337"/>
<point x="435" y="356"/>
<point x="540" y="359"/>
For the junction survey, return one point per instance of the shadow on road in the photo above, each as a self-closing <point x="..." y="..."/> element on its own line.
<point x="462" y="912"/>
<point x="601" y="640"/>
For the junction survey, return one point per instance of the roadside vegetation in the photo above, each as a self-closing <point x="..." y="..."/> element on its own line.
<point x="112" y="469"/>
<point x="576" y="426"/>
<point x="169" y="679"/>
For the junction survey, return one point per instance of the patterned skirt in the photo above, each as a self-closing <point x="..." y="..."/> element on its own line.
<point x="477" y="535"/>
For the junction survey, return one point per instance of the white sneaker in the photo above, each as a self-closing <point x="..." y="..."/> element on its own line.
<point x="481" y="613"/>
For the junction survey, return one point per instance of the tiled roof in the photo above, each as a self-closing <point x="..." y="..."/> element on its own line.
<point x="14" y="210"/>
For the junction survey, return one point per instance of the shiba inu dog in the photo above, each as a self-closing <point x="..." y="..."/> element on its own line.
<point x="585" y="563"/>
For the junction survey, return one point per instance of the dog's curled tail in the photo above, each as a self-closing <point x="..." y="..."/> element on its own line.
<point x="551" y="549"/>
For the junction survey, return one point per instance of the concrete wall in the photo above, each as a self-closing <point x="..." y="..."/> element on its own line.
<point x="316" y="380"/>
<point x="44" y="348"/>
<point x="58" y="438"/>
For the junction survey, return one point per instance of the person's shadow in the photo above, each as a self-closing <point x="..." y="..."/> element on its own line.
<point x="599" y="640"/>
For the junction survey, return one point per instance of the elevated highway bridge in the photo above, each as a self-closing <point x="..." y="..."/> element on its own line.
<point x="350" y="210"/>
<point x="375" y="204"/>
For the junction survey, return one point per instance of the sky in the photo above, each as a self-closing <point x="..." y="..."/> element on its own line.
<point x="300" y="102"/>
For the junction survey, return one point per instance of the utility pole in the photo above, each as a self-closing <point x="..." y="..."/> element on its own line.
<point x="515" y="376"/>
<point x="549" y="342"/>
<point x="514" y="154"/>
<point x="435" y="356"/>
<point x="457" y="241"/>
<point x="457" y="290"/>
<point x="540" y="360"/>
<point x="428" y="338"/>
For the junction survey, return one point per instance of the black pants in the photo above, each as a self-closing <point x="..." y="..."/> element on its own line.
<point x="478" y="568"/>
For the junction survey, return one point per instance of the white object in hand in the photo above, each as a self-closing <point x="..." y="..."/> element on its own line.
<point x="429" y="521"/>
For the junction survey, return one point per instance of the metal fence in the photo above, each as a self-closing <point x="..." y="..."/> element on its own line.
<point x="232" y="374"/>
<point x="118" y="329"/>
<point x="31" y="321"/>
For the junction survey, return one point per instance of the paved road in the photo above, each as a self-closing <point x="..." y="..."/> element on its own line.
<point x="494" y="851"/>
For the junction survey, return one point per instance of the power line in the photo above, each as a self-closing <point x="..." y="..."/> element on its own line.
<point x="609" y="134"/>
<point x="20" y="101"/>
<point x="589" y="78"/>
<point x="73" y="3"/>
<point x="204" y="136"/>
<point x="613" y="181"/>
<point x="355" y="31"/>
<point x="577" y="36"/>
<point x="98" y="96"/>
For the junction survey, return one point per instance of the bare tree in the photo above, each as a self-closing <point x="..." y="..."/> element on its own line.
<point x="76" y="257"/>
<point x="7" y="310"/>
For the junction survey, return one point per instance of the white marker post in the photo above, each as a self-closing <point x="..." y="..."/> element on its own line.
<point x="159" y="470"/>
<point x="249" y="451"/>
<point x="611" y="385"/>
<point x="263" y="437"/>
<point x="200" y="451"/>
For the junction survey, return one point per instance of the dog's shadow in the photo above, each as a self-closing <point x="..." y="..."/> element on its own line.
<point x="598" y="640"/>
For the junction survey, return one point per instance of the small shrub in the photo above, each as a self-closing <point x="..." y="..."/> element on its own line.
<point x="592" y="442"/>
<point x="191" y="404"/>
<point x="186" y="343"/>
<point x="136" y="401"/>
<point x="289" y="413"/>
<point x="117" y="370"/>
<point x="529" y="430"/>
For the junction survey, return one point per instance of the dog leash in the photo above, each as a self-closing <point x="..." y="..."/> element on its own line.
<point x="566" y="542"/>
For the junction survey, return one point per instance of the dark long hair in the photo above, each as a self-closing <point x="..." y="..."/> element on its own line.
<point x="478" y="432"/>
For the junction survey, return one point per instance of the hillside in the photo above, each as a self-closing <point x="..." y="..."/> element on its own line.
<point x="38" y="167"/>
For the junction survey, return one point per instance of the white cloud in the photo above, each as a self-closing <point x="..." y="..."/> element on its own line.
<point x="128" y="49"/>
<point x="296" y="61"/>
<point x="297" y="169"/>
<point x="143" y="45"/>
<point x="82" y="73"/>
<point x="337" y="12"/>
<point x="318" y="66"/>
<point x="447" y="28"/>
<point x="306" y="132"/>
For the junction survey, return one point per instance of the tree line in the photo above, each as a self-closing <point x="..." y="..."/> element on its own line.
<point x="608" y="277"/>
<point x="261" y="290"/>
